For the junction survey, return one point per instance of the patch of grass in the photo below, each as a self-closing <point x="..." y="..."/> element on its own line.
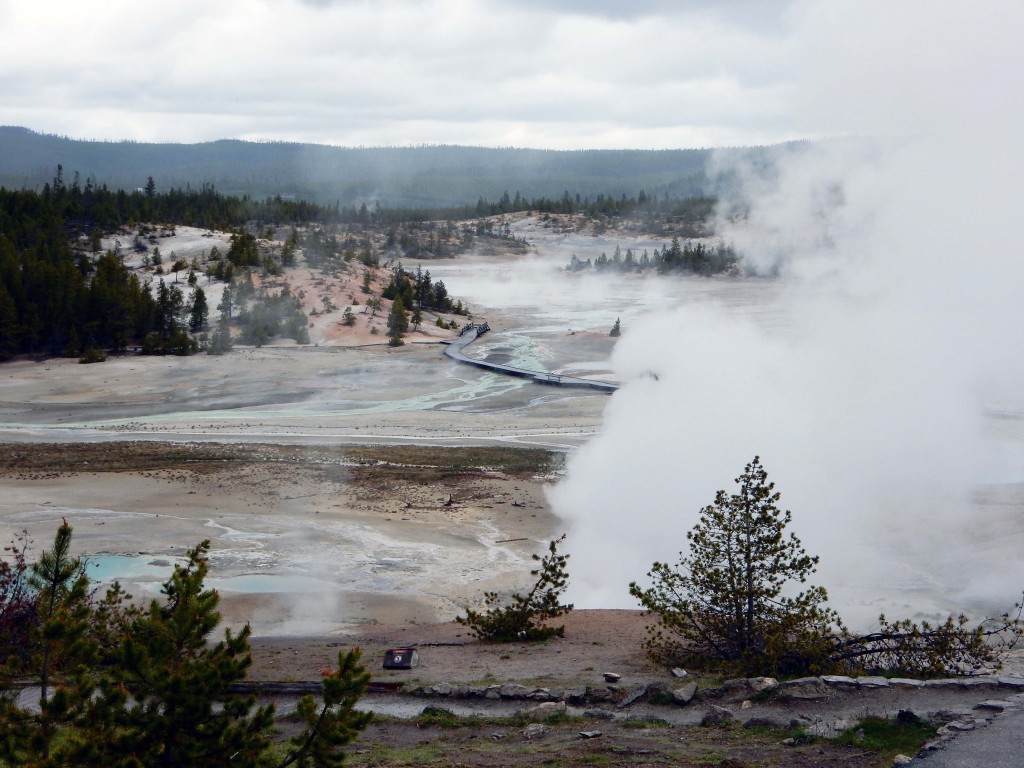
<point x="878" y="734"/>
<point x="139" y="455"/>
<point x="646" y="722"/>
<point x="522" y="719"/>
<point x="440" y="717"/>
<point x="380" y="755"/>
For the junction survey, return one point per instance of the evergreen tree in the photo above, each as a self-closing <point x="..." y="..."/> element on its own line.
<point x="226" y="304"/>
<point x="617" y="328"/>
<point x="725" y="605"/>
<point x="523" y="617"/>
<point x="724" y="602"/>
<point x="181" y="711"/>
<point x="220" y="340"/>
<point x="138" y="688"/>
<point x="334" y="722"/>
<point x="58" y="652"/>
<point x="198" y="311"/>
<point x="398" y="323"/>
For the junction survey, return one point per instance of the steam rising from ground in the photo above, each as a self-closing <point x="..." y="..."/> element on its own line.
<point x="900" y="259"/>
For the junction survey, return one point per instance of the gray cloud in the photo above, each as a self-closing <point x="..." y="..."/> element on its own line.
<point x="436" y="71"/>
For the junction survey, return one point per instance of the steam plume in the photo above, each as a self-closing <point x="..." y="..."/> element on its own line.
<point x="898" y="330"/>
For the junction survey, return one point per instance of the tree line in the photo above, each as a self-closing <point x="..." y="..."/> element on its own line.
<point x="691" y="258"/>
<point x="59" y="295"/>
<point x="400" y="177"/>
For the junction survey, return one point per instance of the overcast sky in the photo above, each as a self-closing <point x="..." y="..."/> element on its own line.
<point x="537" y="73"/>
<point x="575" y="74"/>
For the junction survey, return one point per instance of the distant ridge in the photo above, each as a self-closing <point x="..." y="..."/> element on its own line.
<point x="425" y="176"/>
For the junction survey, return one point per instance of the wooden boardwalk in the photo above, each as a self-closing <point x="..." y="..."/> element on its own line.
<point x="473" y="331"/>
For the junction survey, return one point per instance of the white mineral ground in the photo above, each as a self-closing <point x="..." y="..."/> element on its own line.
<point x="294" y="553"/>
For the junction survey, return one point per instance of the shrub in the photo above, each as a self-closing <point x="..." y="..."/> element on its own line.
<point x="522" y="619"/>
<point x="93" y="355"/>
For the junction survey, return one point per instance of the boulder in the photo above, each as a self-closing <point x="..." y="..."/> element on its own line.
<point x="996" y="705"/>
<point x="905" y="682"/>
<point x="598" y="694"/>
<point x="872" y="682"/>
<point x="632" y="695"/>
<point x="957" y="726"/>
<point x="717" y="716"/>
<point x="762" y="684"/>
<point x="804" y="688"/>
<point x="684" y="695"/>
<point x="839" y="680"/>
<point x="576" y="695"/>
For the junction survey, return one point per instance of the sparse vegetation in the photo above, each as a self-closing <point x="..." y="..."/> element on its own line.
<point x="523" y="618"/>
<point x="905" y="734"/>
<point x="724" y="605"/>
<point x="122" y="685"/>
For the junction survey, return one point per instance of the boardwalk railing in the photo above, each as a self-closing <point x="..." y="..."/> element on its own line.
<point x="474" y="331"/>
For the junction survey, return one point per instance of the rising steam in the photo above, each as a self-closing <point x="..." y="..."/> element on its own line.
<point x="871" y="401"/>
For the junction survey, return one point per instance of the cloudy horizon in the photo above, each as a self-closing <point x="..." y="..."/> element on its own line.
<point x="572" y="75"/>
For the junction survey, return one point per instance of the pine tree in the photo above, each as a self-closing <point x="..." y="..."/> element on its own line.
<point x="334" y="722"/>
<point x="198" y="311"/>
<point x="141" y="688"/>
<point x="726" y="605"/>
<point x="522" y="619"/>
<point x="617" y="328"/>
<point x="724" y="601"/>
<point x="59" y="652"/>
<point x="398" y="322"/>
<point x="181" y="710"/>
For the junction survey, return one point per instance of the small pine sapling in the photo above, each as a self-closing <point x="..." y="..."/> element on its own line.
<point x="523" y="619"/>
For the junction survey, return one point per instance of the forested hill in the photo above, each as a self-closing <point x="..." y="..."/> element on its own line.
<point x="394" y="176"/>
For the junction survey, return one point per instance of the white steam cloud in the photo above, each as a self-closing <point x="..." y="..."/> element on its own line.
<point x="901" y="279"/>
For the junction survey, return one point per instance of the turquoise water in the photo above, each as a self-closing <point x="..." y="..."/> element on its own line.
<point x="109" y="568"/>
<point x="106" y="568"/>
